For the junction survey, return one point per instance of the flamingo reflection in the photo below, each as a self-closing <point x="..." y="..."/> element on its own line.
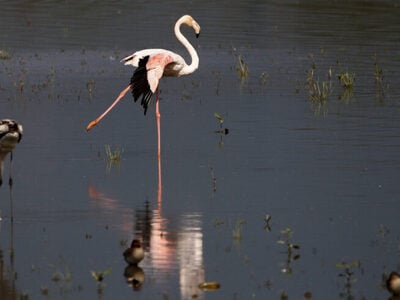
<point x="167" y="246"/>
<point x="10" y="135"/>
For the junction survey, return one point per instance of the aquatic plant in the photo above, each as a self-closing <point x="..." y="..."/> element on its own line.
<point x="214" y="179"/>
<point x="113" y="155"/>
<point x="219" y="118"/>
<point x="99" y="275"/>
<point x="237" y="230"/>
<point x="286" y="236"/>
<point x="347" y="274"/>
<point x="4" y="54"/>
<point x="242" y="69"/>
<point x="379" y="84"/>
<point x="267" y="219"/>
<point x="318" y="92"/>
<point x="90" y="87"/>
<point x="347" y="79"/>
<point x="223" y="131"/>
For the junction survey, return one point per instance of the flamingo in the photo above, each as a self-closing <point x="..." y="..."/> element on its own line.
<point x="10" y="135"/>
<point x="151" y="65"/>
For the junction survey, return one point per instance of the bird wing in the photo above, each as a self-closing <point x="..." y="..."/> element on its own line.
<point x="134" y="58"/>
<point x="155" y="68"/>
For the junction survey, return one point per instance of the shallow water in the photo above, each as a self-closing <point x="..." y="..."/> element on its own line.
<point x="328" y="173"/>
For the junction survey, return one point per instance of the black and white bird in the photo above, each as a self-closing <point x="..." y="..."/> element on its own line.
<point x="10" y="135"/>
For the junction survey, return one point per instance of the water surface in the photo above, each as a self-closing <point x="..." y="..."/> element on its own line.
<point x="328" y="173"/>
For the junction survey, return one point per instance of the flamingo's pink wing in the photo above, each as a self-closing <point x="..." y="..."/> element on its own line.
<point x="155" y="68"/>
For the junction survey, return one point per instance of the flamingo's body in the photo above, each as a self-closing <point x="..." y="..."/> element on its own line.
<point x="10" y="135"/>
<point x="151" y="65"/>
<point x="135" y="253"/>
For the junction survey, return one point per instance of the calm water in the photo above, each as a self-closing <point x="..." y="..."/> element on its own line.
<point x="326" y="173"/>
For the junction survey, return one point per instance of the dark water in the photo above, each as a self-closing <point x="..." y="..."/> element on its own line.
<point x="328" y="173"/>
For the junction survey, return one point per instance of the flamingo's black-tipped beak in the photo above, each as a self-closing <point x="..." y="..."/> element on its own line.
<point x="197" y="35"/>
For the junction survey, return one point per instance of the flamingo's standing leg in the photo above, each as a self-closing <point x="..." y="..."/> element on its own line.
<point x="10" y="180"/>
<point x="158" y="116"/>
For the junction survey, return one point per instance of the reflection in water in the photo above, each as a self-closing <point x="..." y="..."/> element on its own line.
<point x="7" y="277"/>
<point x="170" y="247"/>
<point x="167" y="246"/>
<point x="134" y="276"/>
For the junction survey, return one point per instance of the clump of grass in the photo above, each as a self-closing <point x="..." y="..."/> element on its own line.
<point x="347" y="79"/>
<point x="113" y="156"/>
<point x="4" y="54"/>
<point x="242" y="69"/>
<point x="318" y="92"/>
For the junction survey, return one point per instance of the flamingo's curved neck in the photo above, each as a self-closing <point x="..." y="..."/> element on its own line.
<point x="188" y="69"/>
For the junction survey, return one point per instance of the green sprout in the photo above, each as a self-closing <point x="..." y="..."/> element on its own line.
<point x="242" y="69"/>
<point x="99" y="275"/>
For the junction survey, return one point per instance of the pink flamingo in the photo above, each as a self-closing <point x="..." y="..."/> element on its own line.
<point x="152" y="64"/>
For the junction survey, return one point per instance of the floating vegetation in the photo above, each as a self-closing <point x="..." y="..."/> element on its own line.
<point x="242" y="69"/>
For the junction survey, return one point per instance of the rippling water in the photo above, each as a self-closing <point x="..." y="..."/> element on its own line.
<point x="326" y="173"/>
